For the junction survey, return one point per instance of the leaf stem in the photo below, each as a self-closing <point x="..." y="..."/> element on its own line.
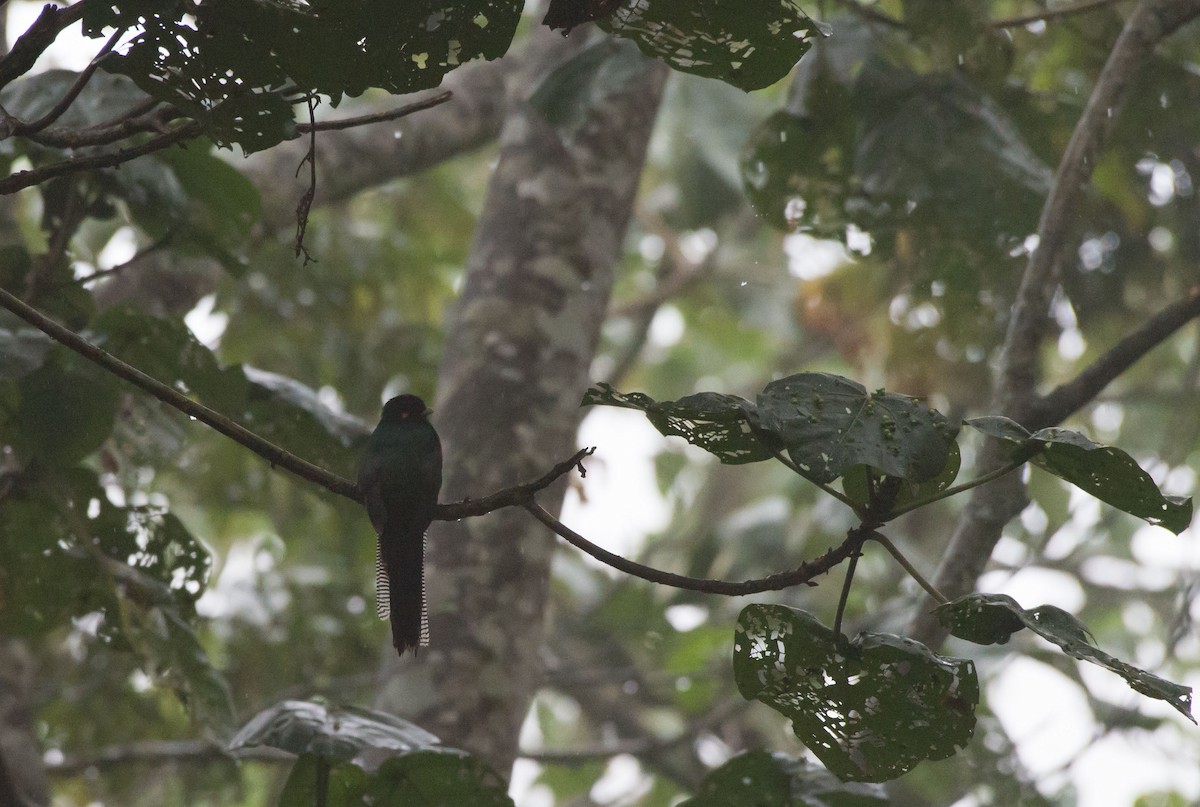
<point x="954" y="490"/>
<point x="908" y="567"/>
<point x="841" y="497"/>
<point x="845" y="595"/>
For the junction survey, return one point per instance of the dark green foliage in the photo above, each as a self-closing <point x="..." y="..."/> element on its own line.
<point x="870" y="708"/>
<point x="773" y="780"/>
<point x="334" y="745"/>
<point x="827" y="425"/>
<point x="1107" y="473"/>
<point x="992" y="618"/>
<point x="244" y="63"/>
<point x="750" y="45"/>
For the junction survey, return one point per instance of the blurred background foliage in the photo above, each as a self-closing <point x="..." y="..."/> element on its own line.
<point x="869" y="215"/>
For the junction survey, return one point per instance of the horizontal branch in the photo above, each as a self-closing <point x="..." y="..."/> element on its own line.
<point x="74" y="165"/>
<point x="376" y="117"/>
<point x="801" y="575"/>
<point x="1060" y="402"/>
<point x="1052" y="13"/>
<point x="159" y="752"/>
<point x="276" y="456"/>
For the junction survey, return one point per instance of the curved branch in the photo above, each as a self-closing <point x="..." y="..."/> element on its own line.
<point x="376" y="117"/>
<point x="1052" y="13"/>
<point x="264" y="448"/>
<point x="1070" y="396"/>
<point x="73" y="165"/>
<point x="276" y="456"/>
<point x="73" y="91"/>
<point x="801" y="575"/>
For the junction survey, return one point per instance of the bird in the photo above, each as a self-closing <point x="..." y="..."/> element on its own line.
<point x="399" y="477"/>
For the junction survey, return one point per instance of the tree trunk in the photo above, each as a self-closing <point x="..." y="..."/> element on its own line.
<point x="519" y="347"/>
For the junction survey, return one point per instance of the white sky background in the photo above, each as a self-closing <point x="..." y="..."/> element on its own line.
<point x="1043" y="712"/>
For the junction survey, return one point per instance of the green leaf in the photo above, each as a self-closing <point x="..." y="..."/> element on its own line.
<point x="1112" y="476"/>
<point x="334" y="733"/>
<point x="856" y="483"/>
<point x="1106" y="472"/>
<point x="23" y="350"/>
<point x="66" y="412"/>
<point x="750" y="44"/>
<point x="830" y="424"/>
<point x="979" y="617"/>
<point x="230" y="63"/>
<point x="772" y="780"/>
<point x="437" y="777"/>
<point x="870" y="708"/>
<point x="716" y="422"/>
<point x="344" y="785"/>
<point x="102" y="99"/>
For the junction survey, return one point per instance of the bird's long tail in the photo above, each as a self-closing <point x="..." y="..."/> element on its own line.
<point x="400" y="588"/>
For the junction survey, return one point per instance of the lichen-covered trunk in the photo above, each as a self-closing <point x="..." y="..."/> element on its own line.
<point x="519" y="346"/>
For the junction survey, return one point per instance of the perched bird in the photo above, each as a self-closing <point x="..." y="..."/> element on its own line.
<point x="399" y="476"/>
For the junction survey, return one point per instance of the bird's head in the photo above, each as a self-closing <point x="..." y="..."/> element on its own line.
<point x="404" y="407"/>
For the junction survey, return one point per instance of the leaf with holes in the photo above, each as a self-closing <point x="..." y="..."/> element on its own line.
<point x="829" y="424"/>
<point x="750" y="44"/>
<point x="1106" y="472"/>
<point x="870" y="708"/>
<point x="718" y="423"/>
<point x="984" y="618"/>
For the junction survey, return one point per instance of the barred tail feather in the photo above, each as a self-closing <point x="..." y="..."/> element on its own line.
<point x="400" y="588"/>
<point x="383" y="591"/>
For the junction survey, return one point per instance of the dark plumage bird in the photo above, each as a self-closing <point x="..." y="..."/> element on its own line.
<point x="399" y="475"/>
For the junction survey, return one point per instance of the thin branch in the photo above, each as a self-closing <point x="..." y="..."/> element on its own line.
<point x="1052" y="13"/>
<point x="1152" y="21"/>
<point x="908" y="567"/>
<point x="269" y="451"/>
<point x="138" y="119"/>
<point x="1069" y="397"/>
<point x="31" y="44"/>
<point x="871" y="14"/>
<point x="796" y="469"/>
<point x="99" y="274"/>
<point x="306" y="199"/>
<point x="158" y="752"/>
<point x="846" y="583"/>
<point x="954" y="490"/>
<point x="275" y="455"/>
<point x="377" y="117"/>
<point x="36" y="176"/>
<point x="801" y="575"/>
<point x="81" y="81"/>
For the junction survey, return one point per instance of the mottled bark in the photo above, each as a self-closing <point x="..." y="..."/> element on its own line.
<point x="519" y="346"/>
<point x="22" y="777"/>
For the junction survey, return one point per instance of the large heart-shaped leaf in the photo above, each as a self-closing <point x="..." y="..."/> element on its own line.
<point x="829" y="424"/>
<point x="871" y="708"/>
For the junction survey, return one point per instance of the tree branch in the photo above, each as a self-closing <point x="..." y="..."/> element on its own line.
<point x="159" y="751"/>
<point x="64" y="103"/>
<point x="276" y="456"/>
<point x="73" y="165"/>
<point x="993" y="506"/>
<point x="1052" y="13"/>
<point x="1070" y="396"/>
<point x="1150" y="22"/>
<point x="376" y="117"/>
<point x="31" y="44"/>
<point x="801" y="575"/>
